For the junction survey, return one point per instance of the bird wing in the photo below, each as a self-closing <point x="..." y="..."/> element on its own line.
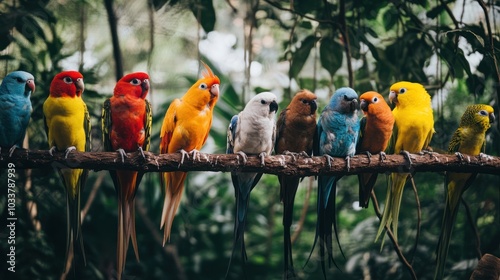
<point x="231" y="134"/>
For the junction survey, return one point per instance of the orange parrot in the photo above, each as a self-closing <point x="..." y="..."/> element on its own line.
<point x="374" y="136"/>
<point x="126" y="127"/>
<point x="185" y="129"/>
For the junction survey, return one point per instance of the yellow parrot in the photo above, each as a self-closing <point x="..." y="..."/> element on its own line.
<point x="67" y="123"/>
<point x="412" y="132"/>
<point x="470" y="139"/>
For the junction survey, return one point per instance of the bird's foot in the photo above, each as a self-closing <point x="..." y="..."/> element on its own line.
<point x="407" y="156"/>
<point x="382" y="156"/>
<point x="197" y="155"/>
<point x="304" y="154"/>
<point x="142" y="153"/>
<point x="244" y="157"/>
<point x="348" y="162"/>
<point x="123" y="154"/>
<point x="51" y="151"/>
<point x="460" y="156"/>
<point x="328" y="160"/>
<point x="369" y="156"/>
<point x="11" y="150"/>
<point x="69" y="150"/>
<point x="183" y="155"/>
<point x="262" y="157"/>
<point x="484" y="157"/>
<point x="282" y="160"/>
<point x="288" y="153"/>
<point x="429" y="152"/>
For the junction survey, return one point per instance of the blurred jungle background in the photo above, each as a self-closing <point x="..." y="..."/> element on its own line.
<point x="451" y="47"/>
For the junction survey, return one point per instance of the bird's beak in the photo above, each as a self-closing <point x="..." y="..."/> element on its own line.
<point x="492" y="117"/>
<point x="273" y="106"/>
<point x="314" y="106"/>
<point x="80" y="86"/>
<point x="363" y="105"/>
<point x="393" y="97"/>
<point x="354" y="105"/>
<point x="30" y="84"/>
<point x="214" y="90"/>
<point x="145" y="87"/>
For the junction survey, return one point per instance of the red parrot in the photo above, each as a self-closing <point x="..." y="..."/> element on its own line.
<point x="375" y="132"/>
<point x="295" y="133"/>
<point x="185" y="129"/>
<point x="126" y="127"/>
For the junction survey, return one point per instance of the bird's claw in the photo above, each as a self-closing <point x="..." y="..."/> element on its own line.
<point x="460" y="156"/>
<point x="429" y="152"/>
<point x="244" y="157"/>
<point x="328" y="160"/>
<point x="69" y="150"/>
<point x="382" y="156"/>
<point x="406" y="155"/>
<point x="369" y="156"/>
<point x="304" y="154"/>
<point x="11" y="150"/>
<point x="348" y="162"/>
<point x="262" y="157"/>
<point x="288" y="153"/>
<point x="123" y="154"/>
<point x="183" y="154"/>
<point x="51" y="151"/>
<point x="484" y="157"/>
<point x="142" y="153"/>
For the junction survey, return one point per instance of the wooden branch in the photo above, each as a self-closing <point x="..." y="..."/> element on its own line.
<point x="277" y="164"/>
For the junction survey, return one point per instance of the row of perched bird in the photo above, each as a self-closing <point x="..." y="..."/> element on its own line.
<point x="339" y="132"/>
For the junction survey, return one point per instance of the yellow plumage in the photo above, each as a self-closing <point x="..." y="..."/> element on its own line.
<point x="65" y="118"/>
<point x="413" y="130"/>
<point x="67" y="123"/>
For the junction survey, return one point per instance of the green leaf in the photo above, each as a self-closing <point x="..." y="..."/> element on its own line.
<point x="390" y="17"/>
<point x="205" y="14"/>
<point x="301" y="54"/>
<point x="475" y="84"/>
<point x="331" y="55"/>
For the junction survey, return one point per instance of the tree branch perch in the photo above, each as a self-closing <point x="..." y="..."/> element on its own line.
<point x="277" y="164"/>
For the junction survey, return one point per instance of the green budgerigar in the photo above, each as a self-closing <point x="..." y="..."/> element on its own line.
<point x="469" y="139"/>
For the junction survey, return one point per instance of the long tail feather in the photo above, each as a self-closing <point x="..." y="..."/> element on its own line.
<point x="289" y="187"/>
<point x="73" y="181"/>
<point x="366" y="183"/>
<point x="392" y="204"/>
<point x="174" y="186"/>
<point x="453" y="196"/>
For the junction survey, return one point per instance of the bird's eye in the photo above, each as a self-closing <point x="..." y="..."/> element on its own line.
<point x="402" y="90"/>
<point x="345" y="97"/>
<point x="19" y="80"/>
<point x="68" y="80"/>
<point x="483" y="113"/>
<point x="203" y="86"/>
<point x="135" y="82"/>
<point x="304" y="101"/>
<point x="375" y="99"/>
<point x="262" y="101"/>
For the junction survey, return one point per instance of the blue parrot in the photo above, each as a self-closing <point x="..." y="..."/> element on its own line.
<point x="336" y="136"/>
<point x="15" y="108"/>
<point x="250" y="132"/>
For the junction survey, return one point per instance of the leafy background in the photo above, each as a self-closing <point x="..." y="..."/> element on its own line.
<point x="449" y="46"/>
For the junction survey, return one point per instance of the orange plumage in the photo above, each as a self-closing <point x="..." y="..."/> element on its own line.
<point x="374" y="135"/>
<point x="185" y="127"/>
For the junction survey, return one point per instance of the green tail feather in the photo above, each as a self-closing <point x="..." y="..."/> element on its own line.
<point x="392" y="204"/>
